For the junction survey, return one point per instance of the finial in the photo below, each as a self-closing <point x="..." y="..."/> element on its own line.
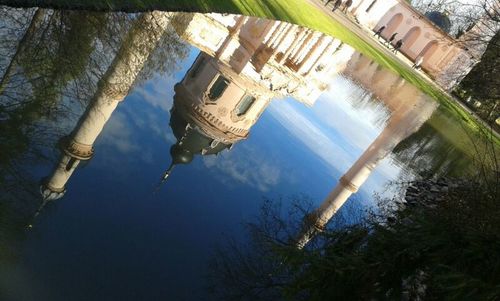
<point x="37" y="212"/>
<point x="165" y="176"/>
<point x="168" y="172"/>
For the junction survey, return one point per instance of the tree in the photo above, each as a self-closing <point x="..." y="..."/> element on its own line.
<point x="441" y="243"/>
<point x="483" y="82"/>
<point x="37" y="18"/>
<point x="54" y="71"/>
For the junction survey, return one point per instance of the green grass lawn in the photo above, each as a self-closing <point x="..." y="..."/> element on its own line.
<point x="299" y="12"/>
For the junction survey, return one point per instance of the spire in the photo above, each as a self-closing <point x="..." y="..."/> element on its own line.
<point x="48" y="194"/>
<point x="167" y="172"/>
<point x="40" y="208"/>
<point x="179" y="156"/>
<point x="165" y="176"/>
<point x="51" y="194"/>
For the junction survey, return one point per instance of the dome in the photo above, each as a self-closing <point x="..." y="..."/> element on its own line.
<point x="190" y="137"/>
<point x="440" y="20"/>
<point x="180" y="155"/>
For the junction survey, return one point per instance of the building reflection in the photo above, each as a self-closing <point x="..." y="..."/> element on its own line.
<point x="213" y="109"/>
<point x="244" y="63"/>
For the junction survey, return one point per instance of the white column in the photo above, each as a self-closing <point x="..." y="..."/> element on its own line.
<point x="231" y="33"/>
<point x="120" y="76"/>
<point x="274" y="33"/>
<point x="314" y="51"/>
<point x="285" y="33"/>
<point x="298" y="36"/>
<point x="62" y="173"/>
<point x="302" y="43"/>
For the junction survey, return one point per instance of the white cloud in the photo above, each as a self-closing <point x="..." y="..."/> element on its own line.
<point x="311" y="135"/>
<point x="339" y="131"/>
<point x="117" y="134"/>
<point x="158" y="92"/>
<point x="247" y="166"/>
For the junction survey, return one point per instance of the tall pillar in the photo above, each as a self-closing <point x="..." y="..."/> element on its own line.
<point x="403" y="123"/>
<point x="286" y="31"/>
<point x="120" y="76"/>
<point x="324" y="53"/>
<point x="313" y="51"/>
<point x="54" y="188"/>
<point x="232" y="32"/>
<point x="298" y="37"/>
<point x="275" y="34"/>
<point x="302" y="47"/>
<point x="112" y="88"/>
<point x="302" y="43"/>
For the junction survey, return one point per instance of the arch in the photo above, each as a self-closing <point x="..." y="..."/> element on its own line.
<point x="393" y="25"/>
<point x="411" y="37"/>
<point x="429" y="50"/>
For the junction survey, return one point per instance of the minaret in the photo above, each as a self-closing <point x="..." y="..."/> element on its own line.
<point x="403" y="122"/>
<point x="112" y="89"/>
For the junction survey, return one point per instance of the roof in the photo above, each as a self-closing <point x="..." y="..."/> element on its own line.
<point x="439" y="19"/>
<point x="425" y="19"/>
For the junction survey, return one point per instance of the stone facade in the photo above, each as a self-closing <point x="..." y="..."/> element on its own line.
<point x="285" y="59"/>
<point x="446" y="59"/>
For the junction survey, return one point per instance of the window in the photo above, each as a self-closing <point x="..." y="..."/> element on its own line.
<point x="244" y="105"/>
<point x="197" y="67"/>
<point x="218" y="87"/>
<point x="70" y="164"/>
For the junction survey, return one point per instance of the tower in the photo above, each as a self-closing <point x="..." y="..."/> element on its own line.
<point x="401" y="125"/>
<point x="409" y="109"/>
<point x="139" y="42"/>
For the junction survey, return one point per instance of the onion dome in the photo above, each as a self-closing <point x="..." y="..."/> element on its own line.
<point x="180" y="155"/>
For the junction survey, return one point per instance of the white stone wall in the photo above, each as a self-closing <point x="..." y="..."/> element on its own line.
<point x="221" y="112"/>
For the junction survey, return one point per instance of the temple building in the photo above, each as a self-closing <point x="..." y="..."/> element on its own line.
<point x="445" y="58"/>
<point x="244" y="63"/>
